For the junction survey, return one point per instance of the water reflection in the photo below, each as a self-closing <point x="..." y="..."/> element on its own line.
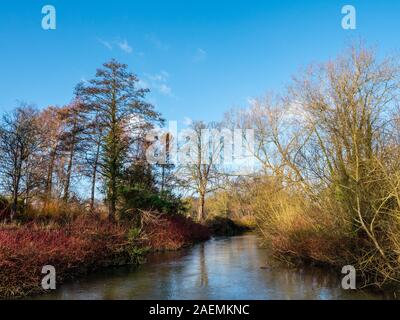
<point x="203" y="276"/>
<point x="224" y="268"/>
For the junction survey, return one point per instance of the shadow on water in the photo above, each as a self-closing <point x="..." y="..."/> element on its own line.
<point x="222" y="268"/>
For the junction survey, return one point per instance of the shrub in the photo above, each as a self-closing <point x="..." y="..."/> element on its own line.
<point x="79" y="246"/>
<point x="50" y="211"/>
<point x="221" y="226"/>
<point x="135" y="199"/>
<point x="294" y="228"/>
<point x="170" y="232"/>
<point x="4" y="208"/>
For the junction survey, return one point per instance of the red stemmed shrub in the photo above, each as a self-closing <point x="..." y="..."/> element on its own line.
<point x="83" y="244"/>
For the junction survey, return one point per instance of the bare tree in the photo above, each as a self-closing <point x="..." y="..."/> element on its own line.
<point x="72" y="139"/>
<point x="198" y="170"/>
<point x="347" y="103"/>
<point x="19" y="140"/>
<point x="91" y="156"/>
<point x="50" y="119"/>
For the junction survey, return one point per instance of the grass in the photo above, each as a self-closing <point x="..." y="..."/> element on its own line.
<point x="293" y="228"/>
<point x="297" y="230"/>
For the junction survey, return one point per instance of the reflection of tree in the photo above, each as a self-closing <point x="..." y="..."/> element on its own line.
<point x="203" y="267"/>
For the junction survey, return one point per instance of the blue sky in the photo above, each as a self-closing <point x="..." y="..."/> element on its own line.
<point x="200" y="58"/>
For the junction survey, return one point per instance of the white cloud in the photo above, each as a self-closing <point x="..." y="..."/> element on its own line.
<point x="159" y="82"/>
<point x="165" y="89"/>
<point x="251" y="101"/>
<point x="156" y="42"/>
<point x="143" y="84"/>
<point x="124" y="46"/>
<point x="121" y="44"/>
<point x="159" y="77"/>
<point x="295" y="111"/>
<point x="106" y="44"/>
<point x="187" y="121"/>
<point x="200" y="55"/>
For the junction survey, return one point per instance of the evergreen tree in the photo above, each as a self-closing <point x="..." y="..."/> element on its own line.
<point x="114" y="97"/>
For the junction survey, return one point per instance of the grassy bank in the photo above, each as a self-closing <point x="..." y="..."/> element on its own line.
<point x="298" y="230"/>
<point x="83" y="245"/>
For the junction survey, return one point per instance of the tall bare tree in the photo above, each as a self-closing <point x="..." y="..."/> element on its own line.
<point x="91" y="159"/>
<point x="198" y="170"/>
<point x="50" y="119"/>
<point x="72" y="139"/>
<point x="19" y="140"/>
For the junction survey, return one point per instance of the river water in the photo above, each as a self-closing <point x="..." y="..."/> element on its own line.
<point x="222" y="268"/>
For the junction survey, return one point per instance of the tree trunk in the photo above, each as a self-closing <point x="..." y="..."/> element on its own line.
<point x="16" y="182"/>
<point x="14" y="203"/>
<point x="49" y="180"/>
<point x="70" y="160"/>
<point x="27" y="192"/>
<point x="200" y="211"/>
<point x="113" y="199"/>
<point x="69" y="171"/>
<point x="94" y="177"/>
<point x="14" y="206"/>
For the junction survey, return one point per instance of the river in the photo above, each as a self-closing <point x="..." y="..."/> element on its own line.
<point x="222" y="268"/>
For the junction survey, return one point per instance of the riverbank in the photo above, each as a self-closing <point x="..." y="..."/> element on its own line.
<point x="223" y="268"/>
<point x="84" y="245"/>
<point x="298" y="232"/>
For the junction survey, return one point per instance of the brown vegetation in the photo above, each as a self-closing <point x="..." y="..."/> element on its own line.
<point x="83" y="244"/>
<point x="329" y="152"/>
